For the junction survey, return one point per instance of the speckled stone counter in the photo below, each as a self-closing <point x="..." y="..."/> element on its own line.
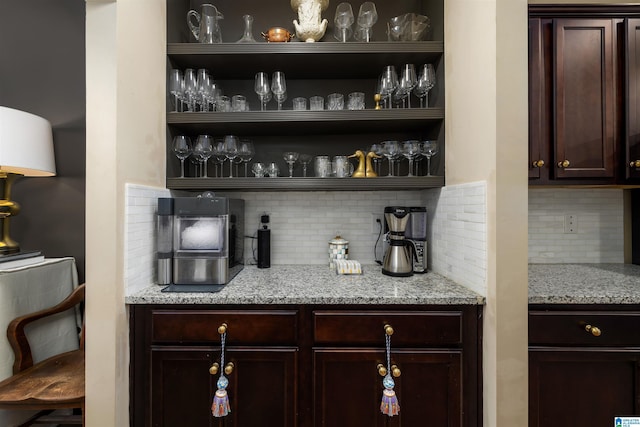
<point x="584" y="284"/>
<point x="316" y="284"/>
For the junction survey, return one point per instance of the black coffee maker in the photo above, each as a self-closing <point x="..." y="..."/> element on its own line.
<point x="398" y="258"/>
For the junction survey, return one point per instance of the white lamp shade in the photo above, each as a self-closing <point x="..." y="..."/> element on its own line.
<point x="26" y="144"/>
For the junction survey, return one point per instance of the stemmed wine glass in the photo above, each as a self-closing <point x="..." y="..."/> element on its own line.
<point x="203" y="149"/>
<point x="202" y="87"/>
<point x="231" y="151"/>
<point x="408" y="81"/>
<point x="190" y="88"/>
<point x="262" y="88"/>
<point x="388" y="84"/>
<point x="343" y="21"/>
<point x="305" y="159"/>
<point x="176" y="88"/>
<point x="218" y="157"/>
<point x="245" y="153"/>
<point x="290" y="157"/>
<point x="367" y="16"/>
<point x="279" y="88"/>
<point x="426" y="82"/>
<point x="391" y="150"/>
<point x="182" y="149"/>
<point x="411" y="150"/>
<point x="429" y="149"/>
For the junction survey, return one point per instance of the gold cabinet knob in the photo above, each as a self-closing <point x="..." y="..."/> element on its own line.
<point x="214" y="368"/>
<point x="634" y="164"/>
<point x="594" y="330"/>
<point x="228" y="369"/>
<point x="564" y="164"/>
<point x="388" y="329"/>
<point x="222" y="328"/>
<point x="538" y="163"/>
<point x="395" y="371"/>
<point x="382" y="370"/>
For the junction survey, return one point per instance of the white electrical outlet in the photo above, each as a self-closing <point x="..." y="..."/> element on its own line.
<point x="570" y="224"/>
<point x="377" y="222"/>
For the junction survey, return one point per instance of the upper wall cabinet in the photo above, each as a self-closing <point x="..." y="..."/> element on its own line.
<point x="311" y="69"/>
<point x="582" y="72"/>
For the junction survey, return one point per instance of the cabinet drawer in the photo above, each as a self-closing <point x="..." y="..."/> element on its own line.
<point x="411" y="328"/>
<point x="278" y="327"/>
<point x="570" y="328"/>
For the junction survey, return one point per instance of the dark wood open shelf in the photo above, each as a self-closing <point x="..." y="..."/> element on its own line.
<point x="320" y="60"/>
<point x="306" y="184"/>
<point x="303" y="122"/>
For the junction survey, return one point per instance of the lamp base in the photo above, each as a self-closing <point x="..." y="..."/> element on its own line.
<point x="8" y="208"/>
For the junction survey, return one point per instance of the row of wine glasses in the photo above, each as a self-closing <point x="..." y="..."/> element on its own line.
<point x="397" y="90"/>
<point x="411" y="150"/>
<point x="344" y="19"/>
<point x="265" y="90"/>
<point x="230" y="147"/>
<point x="193" y="90"/>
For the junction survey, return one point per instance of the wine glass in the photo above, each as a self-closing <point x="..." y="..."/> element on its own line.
<point x="367" y="16"/>
<point x="262" y="88"/>
<point x="305" y="159"/>
<point x="343" y="21"/>
<point x="245" y="153"/>
<point x="426" y="81"/>
<point x="203" y="149"/>
<point x="231" y="151"/>
<point x="176" y="88"/>
<point x="411" y="150"/>
<point x="429" y="149"/>
<point x="388" y="83"/>
<point x="190" y="88"/>
<point x="202" y="87"/>
<point x="182" y="149"/>
<point x="291" y="157"/>
<point x="279" y="88"/>
<point x="391" y="150"/>
<point x="408" y="81"/>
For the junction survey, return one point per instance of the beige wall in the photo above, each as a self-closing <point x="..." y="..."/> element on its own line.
<point x="125" y="48"/>
<point x="486" y="114"/>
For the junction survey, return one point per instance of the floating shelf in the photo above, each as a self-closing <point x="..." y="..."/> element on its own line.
<point x="306" y="184"/>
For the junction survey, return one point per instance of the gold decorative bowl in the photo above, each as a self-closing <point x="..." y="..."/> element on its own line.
<point x="277" y="35"/>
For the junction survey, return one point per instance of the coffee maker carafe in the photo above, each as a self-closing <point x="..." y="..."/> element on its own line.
<point x="398" y="258"/>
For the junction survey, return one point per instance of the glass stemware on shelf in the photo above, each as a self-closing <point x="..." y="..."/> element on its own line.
<point x="245" y="153"/>
<point x="182" y="149"/>
<point x="429" y="149"/>
<point x="411" y="150"/>
<point x="426" y="82"/>
<point x="305" y="159"/>
<point x="190" y="88"/>
<point x="262" y="88"/>
<point x="218" y="157"/>
<point x="343" y="21"/>
<point x="408" y="81"/>
<point x="379" y="150"/>
<point x="231" y="150"/>
<point x="203" y="149"/>
<point x="387" y="84"/>
<point x="391" y="150"/>
<point x="291" y="158"/>
<point x="367" y="16"/>
<point x="176" y="89"/>
<point x="279" y="88"/>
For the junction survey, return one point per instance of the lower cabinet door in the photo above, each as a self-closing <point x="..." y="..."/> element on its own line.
<point x="348" y="388"/>
<point x="582" y="387"/>
<point x="261" y="387"/>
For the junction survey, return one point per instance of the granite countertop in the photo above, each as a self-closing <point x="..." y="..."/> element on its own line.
<point x="316" y="284"/>
<point x="584" y="284"/>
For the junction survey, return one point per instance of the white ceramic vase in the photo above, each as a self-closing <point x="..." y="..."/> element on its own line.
<point x="310" y="26"/>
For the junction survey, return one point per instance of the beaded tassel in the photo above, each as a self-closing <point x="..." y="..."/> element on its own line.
<point x="220" y="406"/>
<point x="389" y="405"/>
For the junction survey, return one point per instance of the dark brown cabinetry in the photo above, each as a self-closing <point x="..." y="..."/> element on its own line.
<point x="632" y="67"/>
<point x="579" y="98"/>
<point x="305" y="366"/>
<point x="311" y="69"/>
<point x="584" y="365"/>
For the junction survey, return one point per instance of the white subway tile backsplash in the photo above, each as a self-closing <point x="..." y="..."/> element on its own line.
<point x="600" y="218"/>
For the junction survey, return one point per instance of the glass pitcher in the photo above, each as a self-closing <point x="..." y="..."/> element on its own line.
<point x="207" y="29"/>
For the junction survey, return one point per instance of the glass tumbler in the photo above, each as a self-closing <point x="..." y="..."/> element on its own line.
<point x="355" y="101"/>
<point x="335" y="101"/>
<point x="316" y="103"/>
<point x="299" y="103"/>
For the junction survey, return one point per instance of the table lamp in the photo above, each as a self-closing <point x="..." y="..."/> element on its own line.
<point x="26" y="149"/>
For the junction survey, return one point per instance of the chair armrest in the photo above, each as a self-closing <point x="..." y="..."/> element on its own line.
<point x="17" y="337"/>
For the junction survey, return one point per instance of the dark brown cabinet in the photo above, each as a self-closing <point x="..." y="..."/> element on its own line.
<point x="305" y="366"/>
<point x="584" y="97"/>
<point x="584" y="365"/>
